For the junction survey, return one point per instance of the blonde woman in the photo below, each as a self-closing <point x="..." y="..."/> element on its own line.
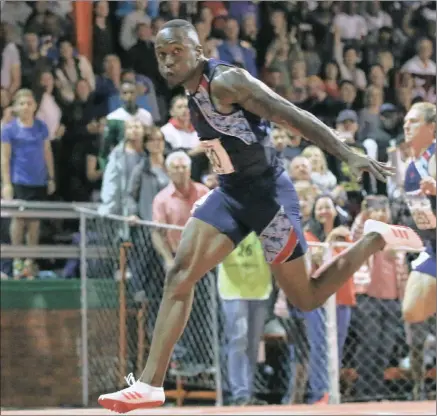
<point x="320" y="174"/>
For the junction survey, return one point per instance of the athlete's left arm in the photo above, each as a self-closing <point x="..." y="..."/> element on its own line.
<point x="237" y="86"/>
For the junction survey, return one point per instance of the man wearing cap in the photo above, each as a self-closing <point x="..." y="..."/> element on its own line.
<point x="347" y="128"/>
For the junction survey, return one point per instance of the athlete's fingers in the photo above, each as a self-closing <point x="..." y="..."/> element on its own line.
<point x="378" y="175"/>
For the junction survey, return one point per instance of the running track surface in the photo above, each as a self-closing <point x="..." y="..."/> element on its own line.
<point x="374" y="409"/>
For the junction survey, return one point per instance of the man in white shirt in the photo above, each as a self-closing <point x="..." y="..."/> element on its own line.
<point x="350" y="24"/>
<point x="421" y="64"/>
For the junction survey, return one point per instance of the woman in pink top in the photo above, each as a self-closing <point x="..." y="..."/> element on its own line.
<point x="378" y="322"/>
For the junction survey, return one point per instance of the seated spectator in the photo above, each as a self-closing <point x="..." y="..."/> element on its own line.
<point x="121" y="163"/>
<point x="126" y="7"/>
<point x="10" y="63"/>
<point x="321" y="176"/>
<point x="179" y="133"/>
<point x="27" y="171"/>
<point x="249" y="29"/>
<point x="130" y="24"/>
<point x="233" y="52"/>
<point x="148" y="177"/>
<point x="32" y="60"/>
<point x="71" y="69"/>
<point x="102" y="36"/>
<point x="115" y="121"/>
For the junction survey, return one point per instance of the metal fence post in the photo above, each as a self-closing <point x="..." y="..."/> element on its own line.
<point x="84" y="309"/>
<point x="216" y="339"/>
<point x="332" y="344"/>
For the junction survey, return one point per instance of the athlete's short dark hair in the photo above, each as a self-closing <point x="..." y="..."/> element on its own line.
<point x="178" y="23"/>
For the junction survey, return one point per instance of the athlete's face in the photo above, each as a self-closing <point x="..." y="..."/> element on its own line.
<point x="177" y="54"/>
<point x="415" y="127"/>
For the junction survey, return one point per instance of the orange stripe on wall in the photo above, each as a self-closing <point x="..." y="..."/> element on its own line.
<point x="83" y="18"/>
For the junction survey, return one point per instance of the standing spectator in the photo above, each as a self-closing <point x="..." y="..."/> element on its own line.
<point x="347" y="59"/>
<point x="32" y="60"/>
<point x="147" y="180"/>
<point x="331" y="77"/>
<point x="15" y="13"/>
<point x="7" y="114"/>
<point x="71" y="68"/>
<point x="115" y="121"/>
<point x="102" y="35"/>
<point x="369" y="115"/>
<point x="27" y="169"/>
<point x="348" y="94"/>
<point x="244" y="286"/>
<point x="121" y="163"/>
<point x="130" y="24"/>
<point x="179" y="133"/>
<point x="375" y="17"/>
<point x="310" y="54"/>
<point x="149" y="177"/>
<point x="47" y="99"/>
<point x="378" y="306"/>
<point x="349" y="24"/>
<point x="325" y="226"/>
<point x="141" y="56"/>
<point x="173" y="205"/>
<point x="10" y="63"/>
<point x="233" y="52"/>
<point x="321" y="176"/>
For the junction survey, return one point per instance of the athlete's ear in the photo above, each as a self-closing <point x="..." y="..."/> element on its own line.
<point x="199" y="52"/>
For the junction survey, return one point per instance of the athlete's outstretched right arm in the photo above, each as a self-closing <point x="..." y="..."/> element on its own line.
<point x="237" y="86"/>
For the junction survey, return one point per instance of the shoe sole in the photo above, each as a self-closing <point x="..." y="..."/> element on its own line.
<point x="122" y="407"/>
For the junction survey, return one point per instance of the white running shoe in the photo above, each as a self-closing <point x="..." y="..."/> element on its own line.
<point x="395" y="236"/>
<point x="138" y="395"/>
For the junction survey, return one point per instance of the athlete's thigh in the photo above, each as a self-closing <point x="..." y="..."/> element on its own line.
<point x="279" y="228"/>
<point x="419" y="301"/>
<point x="208" y="237"/>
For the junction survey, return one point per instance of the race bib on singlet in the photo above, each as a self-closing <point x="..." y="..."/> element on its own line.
<point x="218" y="157"/>
<point x="421" y="210"/>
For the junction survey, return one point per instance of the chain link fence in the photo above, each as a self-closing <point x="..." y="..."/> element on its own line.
<point x="335" y="353"/>
<point x="124" y="280"/>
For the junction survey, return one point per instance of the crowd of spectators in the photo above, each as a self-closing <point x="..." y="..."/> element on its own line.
<point x="120" y="138"/>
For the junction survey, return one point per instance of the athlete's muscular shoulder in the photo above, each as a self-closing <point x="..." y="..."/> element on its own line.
<point x="232" y="85"/>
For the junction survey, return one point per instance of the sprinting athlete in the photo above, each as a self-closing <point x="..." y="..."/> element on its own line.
<point x="419" y="301"/>
<point x="420" y="191"/>
<point x="231" y="112"/>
